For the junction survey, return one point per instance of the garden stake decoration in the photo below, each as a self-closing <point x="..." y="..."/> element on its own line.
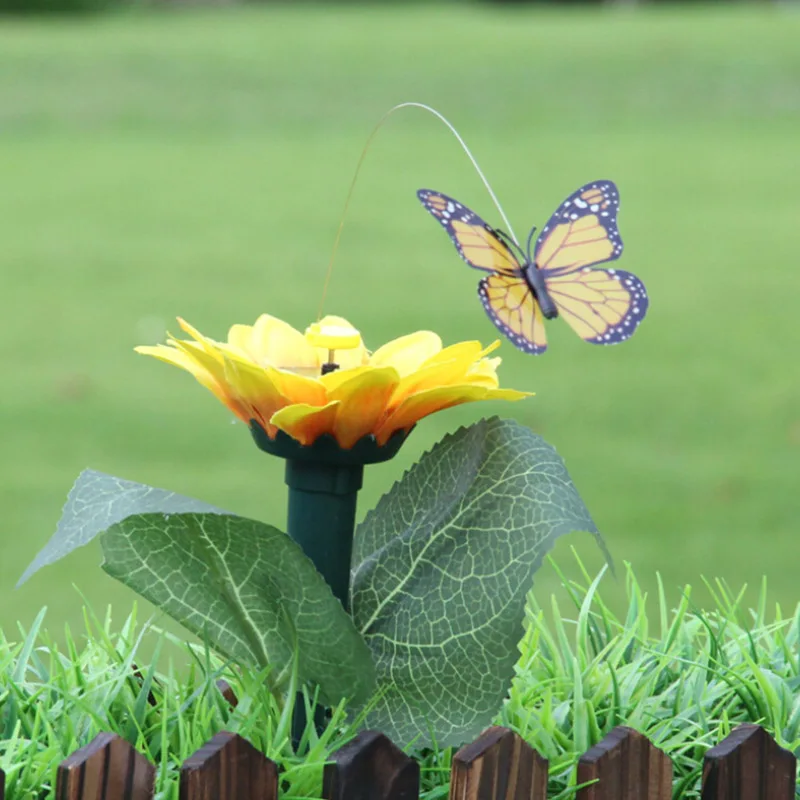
<point x="426" y="637"/>
<point x="414" y="616"/>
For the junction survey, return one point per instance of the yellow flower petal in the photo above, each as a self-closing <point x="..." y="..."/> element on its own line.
<point x="306" y="423"/>
<point x="240" y="338"/>
<point x="267" y="390"/>
<point x="407" y="353"/>
<point x="298" y="388"/>
<point x="431" y="377"/>
<point x="420" y="405"/>
<point x="467" y="354"/>
<point x="491" y="348"/>
<point x="254" y="384"/>
<point x="350" y="359"/>
<point x="172" y="356"/>
<point x="450" y="366"/>
<point x="212" y="362"/>
<point x="487" y="364"/>
<point x="484" y="373"/>
<point x="363" y="401"/>
<point x="209" y="345"/>
<point x="203" y="376"/>
<point x="209" y="352"/>
<point x="276" y="343"/>
<point x="332" y="380"/>
<point x="511" y="395"/>
<point x="417" y="406"/>
<point x="463" y="351"/>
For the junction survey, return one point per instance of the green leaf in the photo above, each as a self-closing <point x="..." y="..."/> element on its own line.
<point x="95" y="502"/>
<point x="443" y="566"/>
<point x="249" y="590"/>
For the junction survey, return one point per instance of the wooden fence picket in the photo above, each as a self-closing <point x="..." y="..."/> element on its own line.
<point x="625" y="766"/>
<point x="108" y="768"/>
<point x="370" y="767"/>
<point x="225" y="690"/>
<point x="749" y="765"/>
<point x="498" y="765"/>
<point x="228" y="768"/>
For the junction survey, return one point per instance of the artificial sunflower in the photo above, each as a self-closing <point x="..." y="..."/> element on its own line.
<point x="325" y="381"/>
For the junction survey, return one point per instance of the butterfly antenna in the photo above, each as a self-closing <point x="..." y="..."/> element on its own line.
<point x="375" y="130"/>
<point x="510" y="243"/>
<point x="528" y="245"/>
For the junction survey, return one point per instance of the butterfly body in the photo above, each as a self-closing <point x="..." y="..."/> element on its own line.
<point x="531" y="273"/>
<point x="538" y="287"/>
<point x="557" y="278"/>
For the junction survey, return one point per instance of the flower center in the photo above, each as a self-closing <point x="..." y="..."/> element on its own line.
<point x="329" y="366"/>
<point x="331" y="338"/>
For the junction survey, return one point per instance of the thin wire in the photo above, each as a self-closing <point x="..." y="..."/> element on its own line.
<point x="375" y="130"/>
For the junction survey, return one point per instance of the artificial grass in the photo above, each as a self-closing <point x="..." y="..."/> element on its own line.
<point x="685" y="681"/>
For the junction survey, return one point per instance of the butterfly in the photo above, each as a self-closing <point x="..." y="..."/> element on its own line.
<point x="523" y="288"/>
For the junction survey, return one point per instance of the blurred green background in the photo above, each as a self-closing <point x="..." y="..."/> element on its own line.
<point x="195" y="162"/>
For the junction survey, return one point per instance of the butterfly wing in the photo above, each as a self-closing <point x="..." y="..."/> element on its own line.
<point x="476" y="241"/>
<point x="603" y="306"/>
<point x="505" y="293"/>
<point x="510" y="304"/>
<point x="582" y="232"/>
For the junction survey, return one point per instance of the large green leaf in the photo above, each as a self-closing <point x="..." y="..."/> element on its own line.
<point x="97" y="501"/>
<point x="442" y="568"/>
<point x="249" y="589"/>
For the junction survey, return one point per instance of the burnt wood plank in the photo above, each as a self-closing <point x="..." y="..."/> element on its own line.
<point x="370" y="768"/>
<point x="228" y="768"/>
<point x="498" y="765"/>
<point x="108" y="768"/>
<point x="749" y="765"/>
<point x="625" y="765"/>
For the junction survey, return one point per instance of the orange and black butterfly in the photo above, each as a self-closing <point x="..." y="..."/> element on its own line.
<point x="523" y="288"/>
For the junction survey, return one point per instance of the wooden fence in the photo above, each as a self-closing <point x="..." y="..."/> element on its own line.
<point x="499" y="765"/>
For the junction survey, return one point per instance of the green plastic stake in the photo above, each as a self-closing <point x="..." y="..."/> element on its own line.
<point x="322" y="516"/>
<point x="323" y="482"/>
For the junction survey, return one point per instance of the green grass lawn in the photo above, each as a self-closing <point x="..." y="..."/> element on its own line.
<point x="196" y="164"/>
